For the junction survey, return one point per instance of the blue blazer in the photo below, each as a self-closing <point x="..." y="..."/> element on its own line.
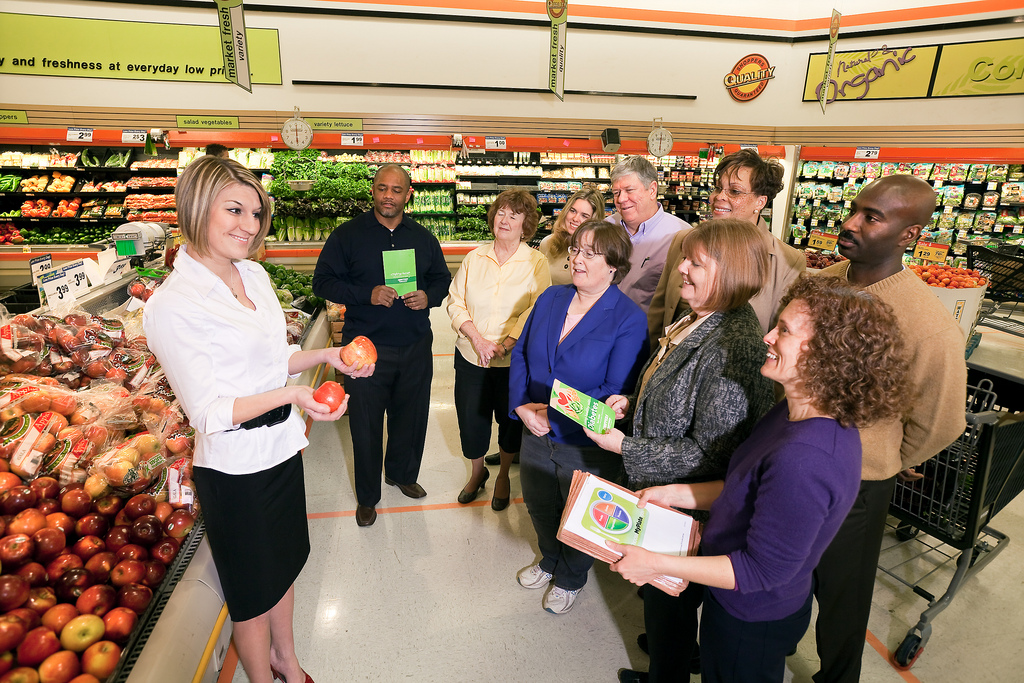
<point x="601" y="356"/>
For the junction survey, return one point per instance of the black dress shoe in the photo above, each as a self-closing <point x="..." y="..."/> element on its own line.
<point x="630" y="676"/>
<point x="467" y="497"/>
<point x="366" y="515"/>
<point x="412" y="490"/>
<point x="495" y="459"/>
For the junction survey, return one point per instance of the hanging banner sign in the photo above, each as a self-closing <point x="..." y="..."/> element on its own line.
<point x="112" y="48"/>
<point x="833" y="38"/>
<point x="558" y="13"/>
<point x="233" y="45"/>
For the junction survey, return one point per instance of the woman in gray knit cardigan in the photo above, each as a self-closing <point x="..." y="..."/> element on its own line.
<point x="698" y="398"/>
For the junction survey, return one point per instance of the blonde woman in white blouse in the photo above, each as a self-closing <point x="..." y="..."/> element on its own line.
<point x="218" y="331"/>
<point x="489" y="301"/>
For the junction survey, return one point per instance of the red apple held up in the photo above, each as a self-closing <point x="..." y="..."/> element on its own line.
<point x="330" y="394"/>
<point x="359" y="352"/>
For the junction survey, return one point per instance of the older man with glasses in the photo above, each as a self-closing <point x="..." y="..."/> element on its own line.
<point x="649" y="228"/>
<point x="744" y="184"/>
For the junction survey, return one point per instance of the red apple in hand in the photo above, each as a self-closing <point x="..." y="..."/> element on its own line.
<point x="330" y="394"/>
<point x="39" y="643"/>
<point x="120" y="622"/>
<point x="359" y="352"/>
<point x="100" y="659"/>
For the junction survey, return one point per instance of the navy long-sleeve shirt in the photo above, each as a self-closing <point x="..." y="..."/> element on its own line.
<point x="351" y="264"/>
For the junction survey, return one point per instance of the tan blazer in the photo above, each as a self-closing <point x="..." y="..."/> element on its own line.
<point x="785" y="265"/>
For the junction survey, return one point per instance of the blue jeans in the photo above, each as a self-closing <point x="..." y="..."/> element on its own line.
<point x="545" y="472"/>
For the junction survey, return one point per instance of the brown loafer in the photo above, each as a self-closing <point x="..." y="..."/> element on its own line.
<point x="366" y="515"/>
<point x="412" y="490"/>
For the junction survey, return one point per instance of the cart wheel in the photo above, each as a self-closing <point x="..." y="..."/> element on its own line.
<point x="905" y="532"/>
<point x="908" y="652"/>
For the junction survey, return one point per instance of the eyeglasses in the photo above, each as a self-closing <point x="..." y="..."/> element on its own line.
<point x="586" y="253"/>
<point x="729" y="192"/>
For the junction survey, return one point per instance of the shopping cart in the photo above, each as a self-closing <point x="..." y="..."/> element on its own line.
<point x="1005" y="292"/>
<point x="944" y="516"/>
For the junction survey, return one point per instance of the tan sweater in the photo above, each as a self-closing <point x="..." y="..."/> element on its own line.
<point x="938" y="378"/>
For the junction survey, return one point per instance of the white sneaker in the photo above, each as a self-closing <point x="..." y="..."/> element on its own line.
<point x="533" y="577"/>
<point x="559" y="601"/>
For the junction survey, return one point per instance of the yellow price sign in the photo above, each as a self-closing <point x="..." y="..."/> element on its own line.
<point x="822" y="240"/>
<point x="929" y="251"/>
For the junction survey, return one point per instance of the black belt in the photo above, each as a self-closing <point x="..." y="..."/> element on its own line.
<point x="269" y="418"/>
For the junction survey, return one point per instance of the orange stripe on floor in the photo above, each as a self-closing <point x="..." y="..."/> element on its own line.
<point x="408" y="508"/>
<point x="882" y="650"/>
<point x="230" y="664"/>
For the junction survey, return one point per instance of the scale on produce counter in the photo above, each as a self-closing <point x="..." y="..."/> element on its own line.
<point x="139" y="241"/>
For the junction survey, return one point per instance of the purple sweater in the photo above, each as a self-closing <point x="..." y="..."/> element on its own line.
<point x="788" y="488"/>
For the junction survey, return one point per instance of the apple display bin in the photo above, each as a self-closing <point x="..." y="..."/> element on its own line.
<point x="184" y="619"/>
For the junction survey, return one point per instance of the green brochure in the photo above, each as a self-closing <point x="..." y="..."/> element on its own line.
<point x="580" y="408"/>
<point x="400" y="270"/>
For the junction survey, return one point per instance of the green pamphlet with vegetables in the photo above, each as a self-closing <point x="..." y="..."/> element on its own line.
<point x="580" y="408"/>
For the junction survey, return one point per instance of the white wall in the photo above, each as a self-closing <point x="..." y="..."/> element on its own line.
<point x="408" y="51"/>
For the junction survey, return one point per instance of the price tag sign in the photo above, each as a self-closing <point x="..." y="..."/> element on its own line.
<point x="77" y="279"/>
<point x="117" y="269"/>
<point x="937" y="184"/>
<point x="494" y="142"/>
<point x="866" y="153"/>
<point x="39" y="265"/>
<point x="56" y="288"/>
<point x="992" y="187"/>
<point x="814" y="222"/>
<point x="825" y="241"/>
<point x="79" y="135"/>
<point x="1018" y="229"/>
<point x="352" y="139"/>
<point x="133" y="136"/>
<point x="929" y="251"/>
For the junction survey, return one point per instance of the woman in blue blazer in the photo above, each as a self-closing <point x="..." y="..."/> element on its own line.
<point x="592" y="337"/>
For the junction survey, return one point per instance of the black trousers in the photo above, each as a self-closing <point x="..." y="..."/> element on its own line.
<point x="845" y="581"/>
<point x="737" y="651"/>
<point x="400" y="387"/>
<point x="671" y="623"/>
<point x="481" y="394"/>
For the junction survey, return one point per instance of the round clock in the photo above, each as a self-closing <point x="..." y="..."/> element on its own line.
<point x="296" y="133"/>
<point x="659" y="142"/>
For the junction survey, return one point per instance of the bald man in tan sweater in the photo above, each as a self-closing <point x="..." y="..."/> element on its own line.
<point x="886" y="218"/>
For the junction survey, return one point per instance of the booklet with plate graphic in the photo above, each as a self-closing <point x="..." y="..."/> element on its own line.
<point x="400" y="270"/>
<point x="598" y="510"/>
<point x="580" y="408"/>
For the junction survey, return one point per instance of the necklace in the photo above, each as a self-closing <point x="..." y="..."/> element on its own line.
<point x="231" y="284"/>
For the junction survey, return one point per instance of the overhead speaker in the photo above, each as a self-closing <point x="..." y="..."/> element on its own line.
<point x="610" y="140"/>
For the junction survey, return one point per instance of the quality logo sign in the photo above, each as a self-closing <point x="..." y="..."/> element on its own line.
<point x="556" y="8"/>
<point x="749" y="77"/>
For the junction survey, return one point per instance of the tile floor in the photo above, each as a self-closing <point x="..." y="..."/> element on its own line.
<point x="428" y="593"/>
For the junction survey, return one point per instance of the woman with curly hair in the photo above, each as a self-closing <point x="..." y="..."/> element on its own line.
<point x="837" y="352"/>
<point x="581" y="207"/>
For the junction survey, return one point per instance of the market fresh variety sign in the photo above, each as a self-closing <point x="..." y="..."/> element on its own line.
<point x="234" y="49"/>
<point x="993" y="67"/>
<point x="749" y="77"/>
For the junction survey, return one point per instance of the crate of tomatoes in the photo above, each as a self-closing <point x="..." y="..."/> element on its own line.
<point x="959" y="289"/>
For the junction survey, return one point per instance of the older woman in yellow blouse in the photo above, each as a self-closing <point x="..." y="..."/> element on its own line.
<point x="489" y="301"/>
<point x="582" y="206"/>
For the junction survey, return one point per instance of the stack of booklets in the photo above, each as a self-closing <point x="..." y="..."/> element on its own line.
<point x="599" y="511"/>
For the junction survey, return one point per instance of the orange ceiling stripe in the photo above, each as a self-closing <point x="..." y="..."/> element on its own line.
<point x="969" y="8"/>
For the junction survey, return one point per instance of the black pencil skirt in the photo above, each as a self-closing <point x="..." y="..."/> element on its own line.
<point x="258" y="534"/>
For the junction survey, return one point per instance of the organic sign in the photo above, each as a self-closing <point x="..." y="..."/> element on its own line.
<point x="114" y="49"/>
<point x="993" y="67"/>
<point x="749" y="77"/>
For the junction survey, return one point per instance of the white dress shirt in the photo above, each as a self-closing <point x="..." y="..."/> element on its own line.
<point x="213" y="350"/>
